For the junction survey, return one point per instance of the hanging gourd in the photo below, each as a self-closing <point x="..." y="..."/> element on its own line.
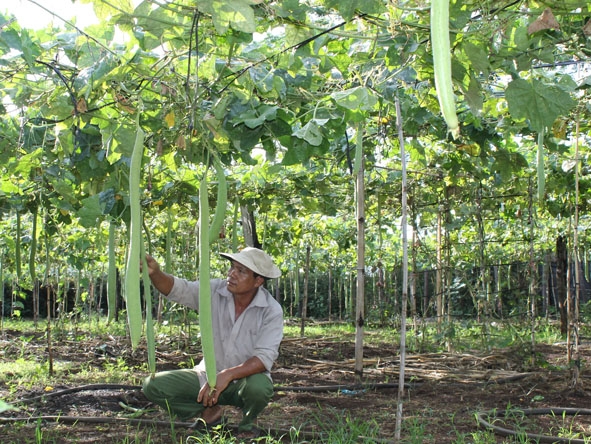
<point x="205" y="319"/>
<point x="442" y="64"/>
<point x="132" y="269"/>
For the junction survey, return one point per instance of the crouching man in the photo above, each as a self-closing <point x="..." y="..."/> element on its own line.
<point x="247" y="330"/>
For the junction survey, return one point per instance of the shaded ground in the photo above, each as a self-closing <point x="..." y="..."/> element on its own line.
<point x="443" y="394"/>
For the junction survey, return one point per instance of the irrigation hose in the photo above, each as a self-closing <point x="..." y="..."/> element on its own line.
<point x="555" y="411"/>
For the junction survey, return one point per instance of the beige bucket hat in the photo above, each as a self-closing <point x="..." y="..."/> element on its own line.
<point x="257" y="260"/>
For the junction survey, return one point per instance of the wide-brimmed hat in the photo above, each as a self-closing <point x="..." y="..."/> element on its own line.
<point x="257" y="260"/>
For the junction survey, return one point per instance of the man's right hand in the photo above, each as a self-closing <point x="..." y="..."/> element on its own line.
<point x="161" y="280"/>
<point x="153" y="265"/>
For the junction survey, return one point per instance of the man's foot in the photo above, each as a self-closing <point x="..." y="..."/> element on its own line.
<point x="212" y="414"/>
<point x="210" y="417"/>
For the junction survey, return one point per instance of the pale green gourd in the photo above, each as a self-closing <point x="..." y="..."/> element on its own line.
<point x="220" y="210"/>
<point x="442" y="64"/>
<point x="150" y="341"/>
<point x="132" y="270"/>
<point x="540" y="167"/>
<point x="33" y="250"/>
<point x="358" y="150"/>
<point x="205" y="319"/>
<point x="112" y="274"/>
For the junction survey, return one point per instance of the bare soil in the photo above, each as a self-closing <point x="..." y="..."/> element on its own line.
<point x="317" y="393"/>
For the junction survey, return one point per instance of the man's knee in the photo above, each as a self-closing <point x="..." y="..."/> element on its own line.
<point x="150" y="389"/>
<point x="259" y="388"/>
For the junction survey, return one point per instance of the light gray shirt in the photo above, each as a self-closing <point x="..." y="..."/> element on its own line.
<point x="258" y="331"/>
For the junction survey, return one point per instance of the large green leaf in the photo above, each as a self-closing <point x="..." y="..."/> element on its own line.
<point x="348" y="8"/>
<point x="311" y="132"/>
<point x="90" y="212"/>
<point x="237" y="14"/>
<point x="256" y="117"/>
<point x="358" y="98"/>
<point x="538" y="102"/>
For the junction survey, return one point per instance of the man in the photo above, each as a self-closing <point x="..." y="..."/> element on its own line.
<point x="247" y="329"/>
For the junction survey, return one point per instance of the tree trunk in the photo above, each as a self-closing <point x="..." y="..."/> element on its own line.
<point x="425" y="304"/>
<point x="380" y="290"/>
<point x="305" y="299"/>
<point x="561" y="264"/>
<point x="249" y="227"/>
<point x="360" y="296"/>
<point x="329" y="292"/>
<point x="573" y="312"/>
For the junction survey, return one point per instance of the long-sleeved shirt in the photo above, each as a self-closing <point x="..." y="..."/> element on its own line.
<point x="258" y="331"/>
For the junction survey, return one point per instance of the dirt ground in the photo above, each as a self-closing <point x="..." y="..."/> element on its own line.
<point x="317" y="390"/>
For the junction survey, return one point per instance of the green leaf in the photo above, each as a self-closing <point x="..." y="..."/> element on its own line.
<point x="506" y="164"/>
<point x="290" y="8"/>
<point x="478" y="56"/>
<point x="90" y="212"/>
<point x="358" y="98"/>
<point x="256" y="117"/>
<point x="4" y="407"/>
<point x="537" y="102"/>
<point x="8" y="186"/>
<point x="311" y="132"/>
<point x="10" y="39"/>
<point x="89" y="78"/>
<point x="105" y="10"/>
<point x="236" y="14"/>
<point x="348" y="8"/>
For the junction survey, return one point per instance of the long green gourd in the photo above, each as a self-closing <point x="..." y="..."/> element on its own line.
<point x="540" y="166"/>
<point x="205" y="321"/>
<point x="151" y="343"/>
<point x="168" y="254"/>
<point x="235" y="224"/>
<point x="220" y="210"/>
<point x="358" y="150"/>
<point x="112" y="274"/>
<point x="132" y="270"/>
<point x="442" y="64"/>
<point x="33" y="250"/>
<point x="17" y="247"/>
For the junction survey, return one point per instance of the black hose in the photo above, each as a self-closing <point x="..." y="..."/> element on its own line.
<point x="338" y="388"/>
<point x="530" y="412"/>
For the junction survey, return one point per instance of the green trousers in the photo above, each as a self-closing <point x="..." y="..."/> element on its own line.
<point x="176" y="391"/>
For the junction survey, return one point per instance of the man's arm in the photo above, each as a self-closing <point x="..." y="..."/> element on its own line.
<point x="250" y="367"/>
<point x="161" y="280"/>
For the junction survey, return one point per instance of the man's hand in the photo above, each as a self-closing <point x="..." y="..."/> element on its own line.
<point x="162" y="281"/>
<point x="209" y="397"/>
<point x="153" y="265"/>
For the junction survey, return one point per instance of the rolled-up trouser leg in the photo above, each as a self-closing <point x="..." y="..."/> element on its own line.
<point x="175" y="391"/>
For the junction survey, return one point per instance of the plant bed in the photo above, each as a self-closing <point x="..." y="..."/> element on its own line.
<point x="318" y="397"/>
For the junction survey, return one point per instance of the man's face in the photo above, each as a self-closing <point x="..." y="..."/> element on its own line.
<point x="242" y="279"/>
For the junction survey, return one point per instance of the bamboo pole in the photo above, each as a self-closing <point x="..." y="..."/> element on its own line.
<point x="404" y="276"/>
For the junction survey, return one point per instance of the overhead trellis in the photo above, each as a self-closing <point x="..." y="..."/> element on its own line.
<point x="271" y="90"/>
